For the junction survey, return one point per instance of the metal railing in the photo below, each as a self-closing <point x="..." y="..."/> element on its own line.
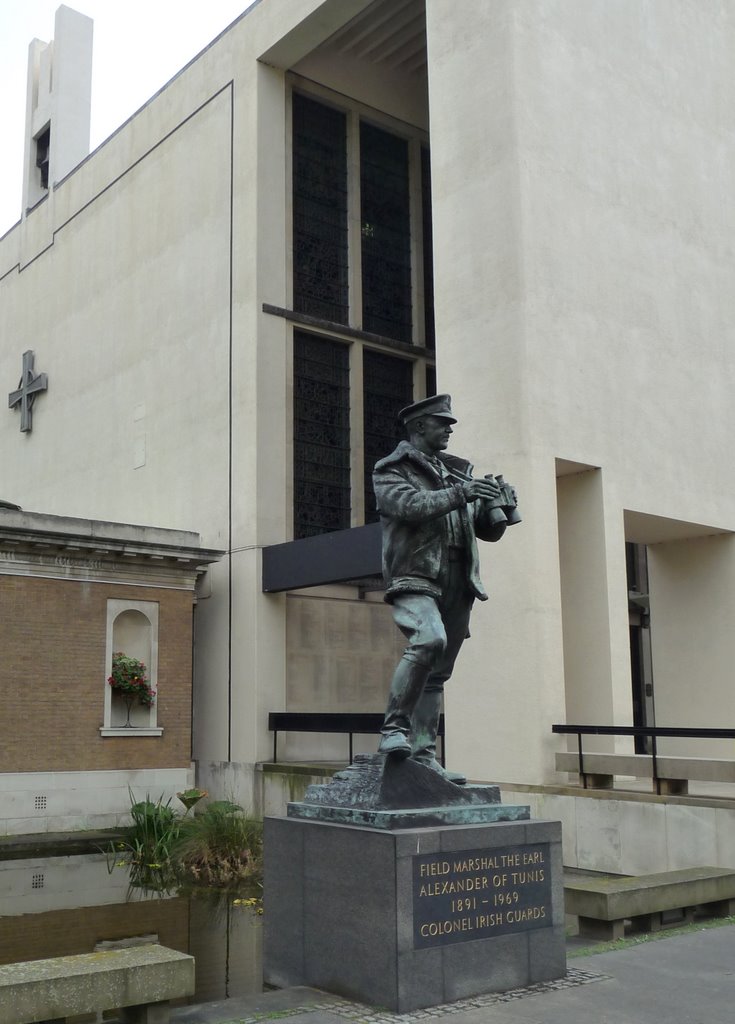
<point x="651" y="732"/>
<point x="344" y="723"/>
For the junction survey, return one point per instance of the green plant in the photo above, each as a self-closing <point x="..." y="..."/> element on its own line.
<point x="220" y="846"/>
<point x="190" y="797"/>
<point x="155" y="828"/>
<point x="129" y="678"/>
<point x="147" y="844"/>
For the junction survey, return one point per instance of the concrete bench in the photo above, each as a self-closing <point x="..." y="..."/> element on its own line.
<point x="604" y="904"/>
<point x="140" y="979"/>
<point x="674" y="773"/>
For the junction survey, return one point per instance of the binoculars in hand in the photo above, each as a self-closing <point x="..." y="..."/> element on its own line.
<point x="505" y="508"/>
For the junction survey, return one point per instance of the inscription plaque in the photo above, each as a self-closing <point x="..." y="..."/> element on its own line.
<point x="476" y="894"/>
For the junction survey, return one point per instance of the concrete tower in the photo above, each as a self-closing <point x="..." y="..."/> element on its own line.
<point x="58" y="104"/>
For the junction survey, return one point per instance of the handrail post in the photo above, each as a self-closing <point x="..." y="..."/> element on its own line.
<point x="582" y="775"/>
<point x="654" y="762"/>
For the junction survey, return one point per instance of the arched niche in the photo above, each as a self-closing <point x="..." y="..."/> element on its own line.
<point x="132" y="628"/>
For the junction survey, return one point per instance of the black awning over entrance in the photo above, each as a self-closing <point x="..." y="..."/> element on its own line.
<point x="338" y="557"/>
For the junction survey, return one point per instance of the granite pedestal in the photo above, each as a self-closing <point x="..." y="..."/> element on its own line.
<point x="411" y="917"/>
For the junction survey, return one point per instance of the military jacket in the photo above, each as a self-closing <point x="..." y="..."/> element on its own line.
<point x="414" y="503"/>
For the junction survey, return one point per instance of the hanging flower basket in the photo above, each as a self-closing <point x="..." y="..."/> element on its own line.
<point x="129" y="679"/>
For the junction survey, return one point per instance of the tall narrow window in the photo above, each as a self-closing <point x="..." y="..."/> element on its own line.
<point x="361" y="216"/>
<point x="430" y="381"/>
<point x="429" y="333"/>
<point x="319" y="210"/>
<point x="386" y="233"/>
<point x="387" y="388"/>
<point x="43" y="147"/>
<point x="639" y="620"/>
<point x="321" y="435"/>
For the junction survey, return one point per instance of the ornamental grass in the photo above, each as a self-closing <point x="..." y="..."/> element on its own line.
<point x="219" y="847"/>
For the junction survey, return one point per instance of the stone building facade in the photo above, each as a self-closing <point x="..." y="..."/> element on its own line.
<point x="337" y="207"/>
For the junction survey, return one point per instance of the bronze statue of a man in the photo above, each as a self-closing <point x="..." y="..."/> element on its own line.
<point x="432" y="511"/>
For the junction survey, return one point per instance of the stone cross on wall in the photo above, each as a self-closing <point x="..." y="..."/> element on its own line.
<point x="28" y="387"/>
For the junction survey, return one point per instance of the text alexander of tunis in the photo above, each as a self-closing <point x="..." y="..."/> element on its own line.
<point x="492" y="892"/>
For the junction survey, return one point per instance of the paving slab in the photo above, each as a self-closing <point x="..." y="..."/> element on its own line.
<point x="286" y="1002"/>
<point x="678" y="979"/>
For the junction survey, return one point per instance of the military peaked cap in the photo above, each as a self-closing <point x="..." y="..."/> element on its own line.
<point x="437" y="405"/>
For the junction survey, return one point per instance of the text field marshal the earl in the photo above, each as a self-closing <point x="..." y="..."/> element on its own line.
<point x="477" y="894"/>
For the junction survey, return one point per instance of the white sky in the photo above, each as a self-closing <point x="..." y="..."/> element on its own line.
<point x="138" y="46"/>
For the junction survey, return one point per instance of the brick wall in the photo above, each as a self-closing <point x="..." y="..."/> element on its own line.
<point x="67" y="932"/>
<point x="52" y="677"/>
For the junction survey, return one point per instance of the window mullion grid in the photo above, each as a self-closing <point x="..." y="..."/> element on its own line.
<point x="354" y="263"/>
<point x="289" y="207"/>
<point x="417" y="249"/>
<point x="419" y="380"/>
<point x="354" y="222"/>
<point x="357" y="433"/>
<point x="290" y="442"/>
<point x="357" y="375"/>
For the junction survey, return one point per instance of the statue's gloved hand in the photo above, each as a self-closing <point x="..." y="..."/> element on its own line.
<point x="486" y="488"/>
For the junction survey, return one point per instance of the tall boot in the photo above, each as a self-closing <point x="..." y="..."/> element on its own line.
<point x="408" y="683"/>
<point x="424" y="727"/>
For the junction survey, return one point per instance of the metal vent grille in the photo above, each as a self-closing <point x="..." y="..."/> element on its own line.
<point x="39" y="804"/>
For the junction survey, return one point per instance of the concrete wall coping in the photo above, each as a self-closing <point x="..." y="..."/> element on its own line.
<point x="31" y="529"/>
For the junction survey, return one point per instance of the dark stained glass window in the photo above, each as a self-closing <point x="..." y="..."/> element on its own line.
<point x="319" y="210"/>
<point x="387" y="388"/>
<point x="429" y="333"/>
<point x="321" y="435"/>
<point x="326" y="459"/>
<point x="386" y="235"/>
<point x="430" y="381"/>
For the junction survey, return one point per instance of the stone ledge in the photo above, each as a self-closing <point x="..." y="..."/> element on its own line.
<point x="91" y="982"/>
<point x="604" y="904"/>
<point x="133" y="730"/>
<point x="57" y="844"/>
<point x="673" y="772"/>
<point x="326" y="769"/>
<point x="621" y="795"/>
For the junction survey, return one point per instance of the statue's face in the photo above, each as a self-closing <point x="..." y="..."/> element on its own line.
<point x="436" y="433"/>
